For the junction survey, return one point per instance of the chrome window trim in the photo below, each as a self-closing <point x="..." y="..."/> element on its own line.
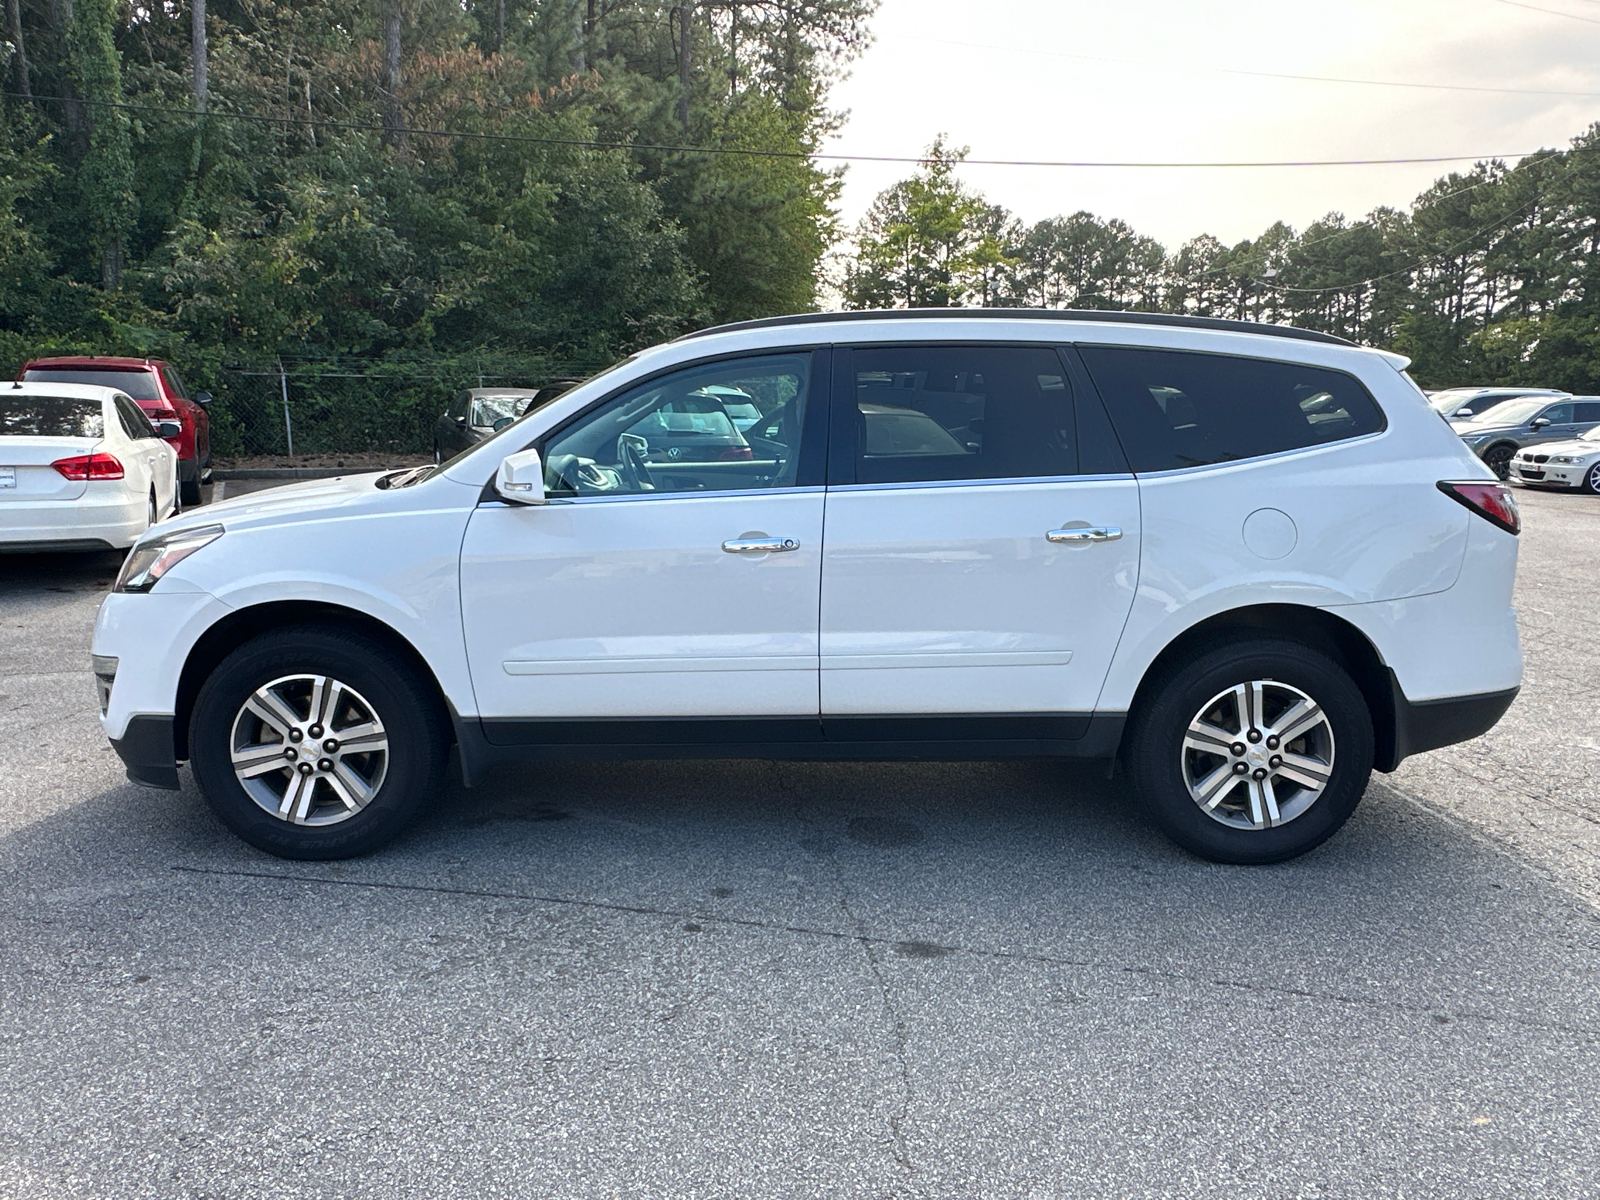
<point x="1124" y="476"/>
<point x="657" y="496"/>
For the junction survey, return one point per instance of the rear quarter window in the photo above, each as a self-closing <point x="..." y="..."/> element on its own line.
<point x="1174" y="409"/>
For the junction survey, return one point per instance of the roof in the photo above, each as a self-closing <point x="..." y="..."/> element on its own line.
<point x="1030" y="314"/>
<point x="72" y="391"/>
<point x="96" y="362"/>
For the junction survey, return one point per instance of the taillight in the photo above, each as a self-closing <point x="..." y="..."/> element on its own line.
<point x="1494" y="502"/>
<point x="89" y="466"/>
<point x="736" y="454"/>
<point x="161" y="414"/>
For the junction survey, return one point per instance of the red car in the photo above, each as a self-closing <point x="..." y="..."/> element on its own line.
<point x="159" y="390"/>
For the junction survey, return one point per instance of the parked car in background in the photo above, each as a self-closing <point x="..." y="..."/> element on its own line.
<point x="81" y="468"/>
<point x="1573" y="465"/>
<point x="159" y="390"/>
<point x="959" y="535"/>
<point x="1460" y="404"/>
<point x="478" y="413"/>
<point x="1528" y="421"/>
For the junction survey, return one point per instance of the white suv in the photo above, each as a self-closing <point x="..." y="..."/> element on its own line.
<point x="1242" y="559"/>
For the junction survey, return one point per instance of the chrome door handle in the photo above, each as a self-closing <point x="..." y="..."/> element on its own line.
<point x="1092" y="533"/>
<point x="760" y="545"/>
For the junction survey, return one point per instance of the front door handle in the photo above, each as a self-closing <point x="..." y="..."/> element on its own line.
<point x="1082" y="533"/>
<point x="760" y="545"/>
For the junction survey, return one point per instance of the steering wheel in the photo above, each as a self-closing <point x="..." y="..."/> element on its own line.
<point x="635" y="471"/>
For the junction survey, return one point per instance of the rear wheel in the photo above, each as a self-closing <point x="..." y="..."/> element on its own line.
<point x="315" y="743"/>
<point x="1498" y="459"/>
<point x="189" y="491"/>
<point x="151" y="516"/>
<point x="1252" y="752"/>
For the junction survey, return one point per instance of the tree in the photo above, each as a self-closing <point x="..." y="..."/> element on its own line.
<point x="106" y="171"/>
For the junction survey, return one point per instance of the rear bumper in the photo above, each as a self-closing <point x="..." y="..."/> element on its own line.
<point x="1429" y="724"/>
<point x="71" y="524"/>
<point x="147" y="749"/>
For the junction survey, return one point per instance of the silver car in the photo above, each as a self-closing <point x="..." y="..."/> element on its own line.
<point x="1459" y="404"/>
<point x="1573" y="465"/>
<point x="1507" y="428"/>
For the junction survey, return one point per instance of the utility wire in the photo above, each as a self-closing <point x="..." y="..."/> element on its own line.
<point x="812" y="155"/>
<point x="1554" y="12"/>
<point x="1390" y="83"/>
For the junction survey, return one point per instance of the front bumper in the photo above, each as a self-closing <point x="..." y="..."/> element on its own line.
<point x="1548" y="474"/>
<point x="148" y="750"/>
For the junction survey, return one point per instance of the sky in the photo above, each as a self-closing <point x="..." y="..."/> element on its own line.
<point x="1165" y="81"/>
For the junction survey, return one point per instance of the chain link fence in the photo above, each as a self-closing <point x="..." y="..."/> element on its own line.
<point x="304" y="413"/>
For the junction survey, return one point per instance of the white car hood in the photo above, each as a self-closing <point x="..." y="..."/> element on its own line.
<point x="280" y="503"/>
<point x="1575" y="448"/>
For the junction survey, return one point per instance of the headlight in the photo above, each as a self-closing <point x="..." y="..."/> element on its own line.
<point x="1472" y="439"/>
<point x="152" y="558"/>
<point x="1564" y="458"/>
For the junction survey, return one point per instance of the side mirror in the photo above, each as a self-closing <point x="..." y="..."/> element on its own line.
<point x="1462" y="412"/>
<point x="501" y="422"/>
<point x="202" y="398"/>
<point x="520" y="479"/>
<point x="1540" y="422"/>
<point x="168" y="429"/>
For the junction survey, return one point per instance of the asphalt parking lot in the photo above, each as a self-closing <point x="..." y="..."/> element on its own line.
<point x="746" y="979"/>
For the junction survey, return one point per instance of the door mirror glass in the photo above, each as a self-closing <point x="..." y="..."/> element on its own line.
<point x="520" y="479"/>
<point x="168" y="429"/>
<point x="501" y="422"/>
<point x="202" y="398"/>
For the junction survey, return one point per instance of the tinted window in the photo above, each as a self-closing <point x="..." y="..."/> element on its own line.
<point x="961" y="412"/>
<point x="51" y="416"/>
<point x="674" y="435"/>
<point x="1558" y="414"/>
<point x="1587" y="412"/>
<point x="134" y="423"/>
<point x="458" y="406"/>
<point x="1176" y="409"/>
<point x="175" y="385"/>
<point x="141" y="385"/>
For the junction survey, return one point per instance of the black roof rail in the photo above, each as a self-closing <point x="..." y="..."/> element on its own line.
<point x="1035" y="314"/>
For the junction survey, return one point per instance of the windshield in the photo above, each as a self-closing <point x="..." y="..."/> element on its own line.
<point x="1590" y="435"/>
<point x="511" y="429"/>
<point x="1515" y="412"/>
<point x="51" y="416"/>
<point x="486" y="410"/>
<point x="1443" y="400"/>
<point x="141" y="385"/>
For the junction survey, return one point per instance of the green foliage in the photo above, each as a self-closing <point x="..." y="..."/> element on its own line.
<point x="281" y="227"/>
<point x="1493" y="276"/>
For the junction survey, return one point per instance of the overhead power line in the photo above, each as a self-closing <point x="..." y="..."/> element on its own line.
<point x="1554" y="12"/>
<point x="1147" y="64"/>
<point x="813" y="155"/>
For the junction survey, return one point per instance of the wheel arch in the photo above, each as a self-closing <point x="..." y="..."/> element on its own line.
<point x="239" y="626"/>
<point x="1312" y="627"/>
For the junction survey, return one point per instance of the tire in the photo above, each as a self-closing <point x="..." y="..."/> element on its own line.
<point x="328" y="815"/>
<point x="1591" y="481"/>
<point x="1498" y="459"/>
<point x="1163" y="766"/>
<point x="152" y="515"/>
<point x="189" y="492"/>
<point x="438" y="459"/>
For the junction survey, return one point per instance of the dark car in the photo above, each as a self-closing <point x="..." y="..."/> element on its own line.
<point x="1496" y="436"/>
<point x="159" y="390"/>
<point x="1461" y="404"/>
<point x="478" y="413"/>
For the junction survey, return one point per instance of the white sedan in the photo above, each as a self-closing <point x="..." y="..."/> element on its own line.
<point x="1571" y="464"/>
<point x="81" y="468"/>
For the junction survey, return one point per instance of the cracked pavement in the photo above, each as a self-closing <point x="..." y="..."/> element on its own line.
<point x="805" y="980"/>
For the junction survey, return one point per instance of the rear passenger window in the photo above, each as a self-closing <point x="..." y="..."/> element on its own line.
<point x="134" y="423"/>
<point x="933" y="413"/>
<point x="1587" y="412"/>
<point x="1175" y="409"/>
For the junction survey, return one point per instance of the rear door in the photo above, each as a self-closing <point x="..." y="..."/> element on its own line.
<point x="982" y="542"/>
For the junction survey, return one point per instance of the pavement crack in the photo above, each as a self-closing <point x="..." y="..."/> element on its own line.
<point x="859" y="935"/>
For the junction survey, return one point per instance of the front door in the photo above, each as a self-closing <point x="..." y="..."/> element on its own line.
<point x="675" y="570"/>
<point x="982" y="538"/>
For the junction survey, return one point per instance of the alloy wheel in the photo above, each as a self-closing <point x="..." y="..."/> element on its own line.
<point x="1258" y="755"/>
<point x="309" y="749"/>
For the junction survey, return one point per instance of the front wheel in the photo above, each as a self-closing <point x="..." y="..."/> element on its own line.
<point x="1591" y="481"/>
<point x="1498" y="459"/>
<point x="316" y="743"/>
<point x="1253" y="752"/>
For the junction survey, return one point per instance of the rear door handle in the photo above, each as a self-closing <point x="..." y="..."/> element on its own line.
<point x="760" y="545"/>
<point x="1091" y="533"/>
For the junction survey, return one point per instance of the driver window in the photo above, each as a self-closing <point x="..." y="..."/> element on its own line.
<point x="713" y="428"/>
